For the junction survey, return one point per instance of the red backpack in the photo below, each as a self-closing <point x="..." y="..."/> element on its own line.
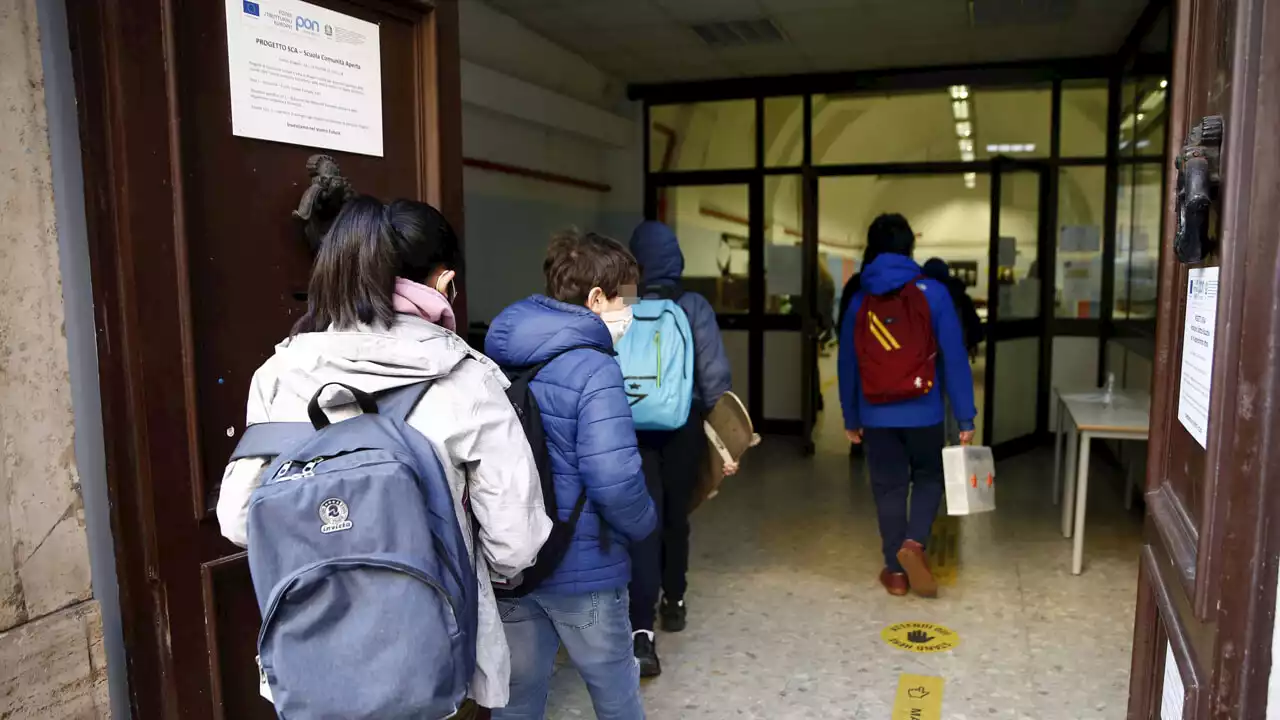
<point x="895" y="346"/>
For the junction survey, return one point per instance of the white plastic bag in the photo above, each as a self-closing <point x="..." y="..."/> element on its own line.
<point x="970" y="474"/>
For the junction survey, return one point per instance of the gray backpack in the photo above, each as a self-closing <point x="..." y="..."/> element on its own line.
<point x="367" y="592"/>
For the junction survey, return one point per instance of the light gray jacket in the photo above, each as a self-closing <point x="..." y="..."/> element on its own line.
<point x="466" y="416"/>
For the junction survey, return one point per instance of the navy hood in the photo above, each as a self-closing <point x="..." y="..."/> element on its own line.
<point x="889" y="272"/>
<point x="538" y="328"/>
<point x="658" y="251"/>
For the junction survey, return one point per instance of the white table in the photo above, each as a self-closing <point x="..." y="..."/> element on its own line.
<point x="1082" y="418"/>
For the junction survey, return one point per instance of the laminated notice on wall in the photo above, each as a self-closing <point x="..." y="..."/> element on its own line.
<point x="304" y="75"/>
<point x="1198" y="329"/>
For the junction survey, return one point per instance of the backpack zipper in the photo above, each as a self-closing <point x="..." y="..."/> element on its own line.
<point x="348" y="563"/>
<point x="657" y="340"/>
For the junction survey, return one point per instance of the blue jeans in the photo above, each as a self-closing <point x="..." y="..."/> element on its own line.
<point x="596" y="631"/>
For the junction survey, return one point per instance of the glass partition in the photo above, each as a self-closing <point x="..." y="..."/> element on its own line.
<point x="1083" y="126"/>
<point x="711" y="223"/>
<point x="952" y="124"/>
<point x="1018" y="273"/>
<point x="702" y="136"/>
<point x="1015" y="378"/>
<point x="1078" y="275"/>
<point x="783" y="131"/>
<point x="1143" y="115"/>
<point x="783" y="250"/>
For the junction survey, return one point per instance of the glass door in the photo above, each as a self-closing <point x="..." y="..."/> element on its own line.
<point x="748" y="263"/>
<point x="951" y="216"/>
<point x="1016" y="327"/>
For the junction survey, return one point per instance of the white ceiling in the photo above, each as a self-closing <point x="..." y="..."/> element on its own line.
<point x="651" y="40"/>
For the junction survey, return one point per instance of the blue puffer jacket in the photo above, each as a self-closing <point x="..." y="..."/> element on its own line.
<point x="590" y="436"/>
<point x="662" y="263"/>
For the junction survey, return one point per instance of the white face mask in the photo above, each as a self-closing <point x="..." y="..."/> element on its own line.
<point x="617" y="321"/>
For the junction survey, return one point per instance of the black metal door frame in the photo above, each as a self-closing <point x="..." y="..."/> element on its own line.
<point x="1040" y="326"/>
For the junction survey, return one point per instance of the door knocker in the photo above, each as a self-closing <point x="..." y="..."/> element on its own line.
<point x="1199" y="175"/>
<point x="322" y="199"/>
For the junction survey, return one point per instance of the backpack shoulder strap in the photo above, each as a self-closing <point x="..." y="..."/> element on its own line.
<point x="271" y="438"/>
<point x="398" y="403"/>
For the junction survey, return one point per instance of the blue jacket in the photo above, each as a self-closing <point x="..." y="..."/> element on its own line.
<point x="886" y="274"/>
<point x="662" y="263"/>
<point x="590" y="436"/>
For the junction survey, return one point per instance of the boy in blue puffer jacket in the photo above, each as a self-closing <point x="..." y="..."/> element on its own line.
<point x="672" y="459"/>
<point x="591" y="441"/>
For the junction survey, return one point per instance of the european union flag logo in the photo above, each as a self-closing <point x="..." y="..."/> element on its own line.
<point x="251" y="8"/>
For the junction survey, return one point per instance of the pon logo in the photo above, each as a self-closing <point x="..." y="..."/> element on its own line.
<point x="302" y="23"/>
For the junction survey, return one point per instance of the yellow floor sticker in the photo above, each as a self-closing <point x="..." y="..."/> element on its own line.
<point x="920" y="637"/>
<point x="919" y="698"/>
<point x="944" y="550"/>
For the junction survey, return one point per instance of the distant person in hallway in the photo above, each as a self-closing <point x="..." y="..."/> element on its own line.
<point x="672" y="459"/>
<point x="591" y="441"/>
<point x="938" y="269"/>
<point x="901" y="344"/>
<point x="851" y="288"/>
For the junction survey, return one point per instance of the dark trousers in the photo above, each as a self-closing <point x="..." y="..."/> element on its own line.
<point x="660" y="563"/>
<point x="902" y="462"/>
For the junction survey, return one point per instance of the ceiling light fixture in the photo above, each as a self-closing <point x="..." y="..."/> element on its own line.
<point x="1011" y="148"/>
<point x="971" y="180"/>
<point x="966" y="144"/>
<point x="1164" y="84"/>
<point x="959" y="92"/>
<point x="960" y="109"/>
<point x="964" y="129"/>
<point x="1141" y="117"/>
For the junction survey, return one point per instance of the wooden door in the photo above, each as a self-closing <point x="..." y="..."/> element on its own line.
<point x="198" y="270"/>
<point x="1206" y="599"/>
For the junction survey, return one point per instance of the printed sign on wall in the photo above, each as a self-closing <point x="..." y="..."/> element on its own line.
<point x="304" y="75"/>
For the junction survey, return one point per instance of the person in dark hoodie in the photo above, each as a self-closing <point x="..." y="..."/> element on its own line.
<point x="591" y="441"/>
<point x="904" y="438"/>
<point x="672" y="458"/>
<point x="851" y="288"/>
<point x="938" y="269"/>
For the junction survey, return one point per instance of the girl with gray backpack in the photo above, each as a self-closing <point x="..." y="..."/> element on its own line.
<point x="383" y="482"/>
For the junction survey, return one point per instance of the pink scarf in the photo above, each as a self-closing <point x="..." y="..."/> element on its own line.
<point x="427" y="303"/>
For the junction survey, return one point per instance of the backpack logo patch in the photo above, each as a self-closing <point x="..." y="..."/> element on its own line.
<point x="880" y="331"/>
<point x="333" y="513"/>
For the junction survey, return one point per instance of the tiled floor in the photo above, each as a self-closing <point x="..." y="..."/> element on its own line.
<point x="786" y="613"/>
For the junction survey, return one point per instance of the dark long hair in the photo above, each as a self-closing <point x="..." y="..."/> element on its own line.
<point x="368" y="246"/>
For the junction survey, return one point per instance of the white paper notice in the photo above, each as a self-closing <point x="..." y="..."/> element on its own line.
<point x="1174" y="694"/>
<point x="304" y="75"/>
<point x="1197" y="352"/>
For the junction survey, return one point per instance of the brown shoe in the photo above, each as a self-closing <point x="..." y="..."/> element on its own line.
<point x="916" y="564"/>
<point x="895" y="583"/>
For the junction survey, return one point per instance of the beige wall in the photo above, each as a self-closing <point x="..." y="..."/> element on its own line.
<point x="51" y="649"/>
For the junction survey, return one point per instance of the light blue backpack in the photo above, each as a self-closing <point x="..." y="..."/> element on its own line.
<point x="656" y="355"/>
<point x="366" y="588"/>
